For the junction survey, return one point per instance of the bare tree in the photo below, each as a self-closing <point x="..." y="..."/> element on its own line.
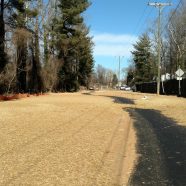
<point x="50" y="73"/>
<point x="8" y="78"/>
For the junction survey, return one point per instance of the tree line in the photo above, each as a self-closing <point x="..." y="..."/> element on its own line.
<point x="143" y="66"/>
<point x="44" y="46"/>
<point x="104" y="77"/>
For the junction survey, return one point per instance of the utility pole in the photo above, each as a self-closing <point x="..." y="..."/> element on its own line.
<point x="119" y="70"/>
<point x="160" y="7"/>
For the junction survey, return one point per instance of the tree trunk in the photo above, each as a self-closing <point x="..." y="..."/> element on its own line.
<point x="21" y="68"/>
<point x="2" y="38"/>
<point x="36" y="81"/>
<point x="46" y="52"/>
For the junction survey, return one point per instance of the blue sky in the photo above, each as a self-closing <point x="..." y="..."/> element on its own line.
<point x="116" y="24"/>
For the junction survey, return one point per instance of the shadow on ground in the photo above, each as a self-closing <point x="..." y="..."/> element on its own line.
<point x="161" y="147"/>
<point x="121" y="100"/>
<point x="87" y="93"/>
<point x="116" y="99"/>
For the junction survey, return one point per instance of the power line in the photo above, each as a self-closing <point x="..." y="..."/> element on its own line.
<point x="141" y="21"/>
<point x="141" y="18"/>
<point x="170" y="18"/>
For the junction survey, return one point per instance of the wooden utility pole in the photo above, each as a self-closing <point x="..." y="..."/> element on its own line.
<point x="119" y="70"/>
<point x="160" y="7"/>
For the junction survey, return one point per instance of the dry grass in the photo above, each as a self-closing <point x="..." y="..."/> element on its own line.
<point x="65" y="139"/>
<point x="170" y="106"/>
<point x="74" y="139"/>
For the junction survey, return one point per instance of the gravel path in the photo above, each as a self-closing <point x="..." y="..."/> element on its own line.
<point x="65" y="139"/>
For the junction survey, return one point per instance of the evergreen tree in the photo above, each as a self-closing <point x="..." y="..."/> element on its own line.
<point x="3" y="59"/>
<point x="114" y="80"/>
<point x="23" y="36"/>
<point x="35" y="78"/>
<point x="67" y="45"/>
<point x="142" y="56"/>
<point x="130" y="76"/>
<point x="71" y="44"/>
<point x="86" y="61"/>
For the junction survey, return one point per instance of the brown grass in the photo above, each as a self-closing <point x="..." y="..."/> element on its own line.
<point x="171" y="106"/>
<point x="74" y="139"/>
<point x="65" y="139"/>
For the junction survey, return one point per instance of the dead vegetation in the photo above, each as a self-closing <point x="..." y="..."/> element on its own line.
<point x="84" y="138"/>
<point x="171" y="106"/>
<point x="50" y="73"/>
<point x="65" y="139"/>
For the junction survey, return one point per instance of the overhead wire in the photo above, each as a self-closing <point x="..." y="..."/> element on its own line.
<point x="141" y="22"/>
<point x="143" y="19"/>
<point x="172" y="15"/>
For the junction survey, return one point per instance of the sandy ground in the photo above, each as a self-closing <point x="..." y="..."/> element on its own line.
<point x="65" y="139"/>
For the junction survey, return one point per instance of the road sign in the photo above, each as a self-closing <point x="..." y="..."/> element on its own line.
<point x="179" y="78"/>
<point x="179" y="72"/>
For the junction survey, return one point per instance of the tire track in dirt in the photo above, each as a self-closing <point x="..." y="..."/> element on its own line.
<point x="115" y="152"/>
<point x="121" y="162"/>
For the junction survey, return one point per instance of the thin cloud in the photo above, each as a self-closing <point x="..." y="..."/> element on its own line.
<point x="113" y="44"/>
<point x="114" y="38"/>
<point x="112" y="50"/>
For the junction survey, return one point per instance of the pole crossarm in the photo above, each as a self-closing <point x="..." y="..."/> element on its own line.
<point x="156" y="4"/>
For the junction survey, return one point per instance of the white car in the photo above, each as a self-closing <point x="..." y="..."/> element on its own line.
<point x="127" y="88"/>
<point x="122" y="87"/>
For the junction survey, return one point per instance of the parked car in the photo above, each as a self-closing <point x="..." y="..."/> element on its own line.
<point x="122" y="87"/>
<point x="91" y="88"/>
<point x="125" y="87"/>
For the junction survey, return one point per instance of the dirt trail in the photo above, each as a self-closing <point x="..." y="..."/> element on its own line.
<point x="65" y="139"/>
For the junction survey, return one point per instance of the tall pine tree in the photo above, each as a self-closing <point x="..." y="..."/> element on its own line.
<point x="23" y="37"/>
<point x="3" y="59"/>
<point x="72" y="45"/>
<point x="35" y="83"/>
<point x="142" y="56"/>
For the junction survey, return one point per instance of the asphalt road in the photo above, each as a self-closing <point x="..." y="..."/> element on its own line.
<point x="162" y="150"/>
